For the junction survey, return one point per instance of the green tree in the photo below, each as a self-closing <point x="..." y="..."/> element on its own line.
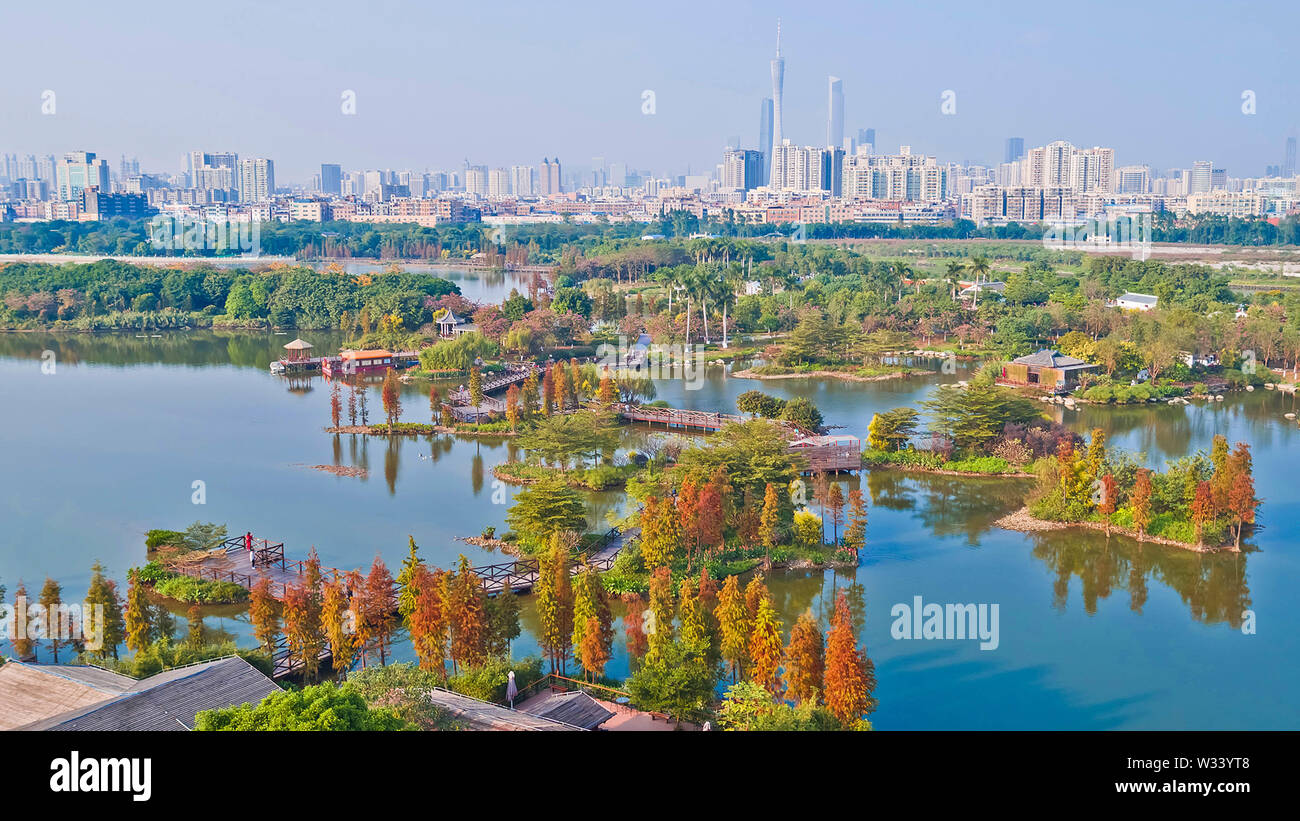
<point x="320" y="707"/>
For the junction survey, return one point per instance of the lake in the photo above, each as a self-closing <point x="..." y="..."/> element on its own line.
<point x="1094" y="633"/>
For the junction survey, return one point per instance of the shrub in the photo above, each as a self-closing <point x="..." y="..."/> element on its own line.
<point x="488" y="681"/>
<point x="157" y="538"/>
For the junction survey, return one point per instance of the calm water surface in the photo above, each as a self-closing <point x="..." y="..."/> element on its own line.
<point x="1093" y="633"/>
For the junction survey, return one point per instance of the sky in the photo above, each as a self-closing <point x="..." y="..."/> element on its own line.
<point x="504" y="83"/>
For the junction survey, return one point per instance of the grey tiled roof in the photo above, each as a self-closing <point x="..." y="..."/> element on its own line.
<point x="1049" y="359"/>
<point x="169" y="700"/>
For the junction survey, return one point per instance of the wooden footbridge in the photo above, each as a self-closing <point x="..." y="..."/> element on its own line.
<point x="522" y="575"/>
<point x="229" y="562"/>
<point x="494" y="383"/>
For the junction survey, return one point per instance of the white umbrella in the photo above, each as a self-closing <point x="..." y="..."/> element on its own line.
<point x="511" y="689"/>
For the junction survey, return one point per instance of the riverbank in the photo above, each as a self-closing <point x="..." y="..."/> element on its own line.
<point x="1023" y="521"/>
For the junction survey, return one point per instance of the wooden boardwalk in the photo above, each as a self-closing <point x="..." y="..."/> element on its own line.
<point x="512" y="376"/>
<point x="685" y="419"/>
<point x="231" y="564"/>
<point x="522" y="574"/>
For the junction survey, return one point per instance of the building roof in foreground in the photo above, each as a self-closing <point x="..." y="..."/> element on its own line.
<point x="1052" y="359"/>
<point x="62" y="697"/>
<point x="575" y="708"/>
<point x="484" y="715"/>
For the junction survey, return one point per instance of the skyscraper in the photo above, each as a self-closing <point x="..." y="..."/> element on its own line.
<point x="1201" y="173"/>
<point x="835" y="112"/>
<point x="331" y="179"/>
<point x="867" y="136"/>
<point x="778" y="84"/>
<point x="1288" y="164"/>
<point x="765" y="136"/>
<point x="256" y="179"/>
<point x="1015" y="148"/>
<point x="548" y="177"/>
<point x="78" y="171"/>
<point x="742" y="169"/>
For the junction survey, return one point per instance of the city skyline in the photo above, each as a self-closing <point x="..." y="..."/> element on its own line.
<point x="283" y="101"/>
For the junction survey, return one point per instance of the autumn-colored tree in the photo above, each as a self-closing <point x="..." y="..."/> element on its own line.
<point x="770" y="522"/>
<point x="336" y="405"/>
<point x="850" y="675"/>
<point x="590" y="602"/>
<point x="1109" y="499"/>
<point x="1096" y="460"/>
<point x="592" y="650"/>
<point x="51" y="602"/>
<point x="855" y="535"/>
<point x="337" y="621"/>
<point x="512" y="407"/>
<point x="303" y="634"/>
<point x="428" y="619"/>
<point x="835" y="502"/>
<point x="465" y="615"/>
<point x="560" y="386"/>
<point x="392" y="397"/>
<point x="554" y="595"/>
<point x="733" y="627"/>
<point x="766" y="650"/>
<point x="528" y="397"/>
<point x="711" y="517"/>
<point x="805" y="667"/>
<point x="138" y="615"/>
<point x="376" y="610"/>
<point x="661" y="532"/>
<point x="1202" y="510"/>
<point x="25" y="648"/>
<point x="363" y="404"/>
<point x="606" y="390"/>
<point x="548" y="391"/>
<point x="264" y="613"/>
<point x="352" y="404"/>
<point x="755" y="593"/>
<point x="634" y="626"/>
<point x="1140" y="499"/>
<point x="103" y="614"/>
<point x="688" y="516"/>
<point x="660" y="630"/>
<point x="1242" y="503"/>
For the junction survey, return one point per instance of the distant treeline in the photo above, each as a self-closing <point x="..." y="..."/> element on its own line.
<point x="544" y="243"/>
<point x="108" y="295"/>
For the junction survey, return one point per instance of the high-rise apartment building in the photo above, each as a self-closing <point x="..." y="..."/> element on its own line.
<point x="256" y="179"/>
<point x="835" y="112"/>
<point x="548" y="177"/>
<point x="742" y="169"/>
<point x="796" y="168"/>
<point x="1133" y="179"/>
<point x="79" y="170"/>
<point x="523" y="180"/>
<point x="476" y="180"/>
<point x="498" y="183"/>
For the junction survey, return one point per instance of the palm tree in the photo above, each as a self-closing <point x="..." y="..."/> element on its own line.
<point x="954" y="272"/>
<point x="979" y="266"/>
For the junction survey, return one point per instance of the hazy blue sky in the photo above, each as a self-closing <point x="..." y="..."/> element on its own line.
<point x="502" y="83"/>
